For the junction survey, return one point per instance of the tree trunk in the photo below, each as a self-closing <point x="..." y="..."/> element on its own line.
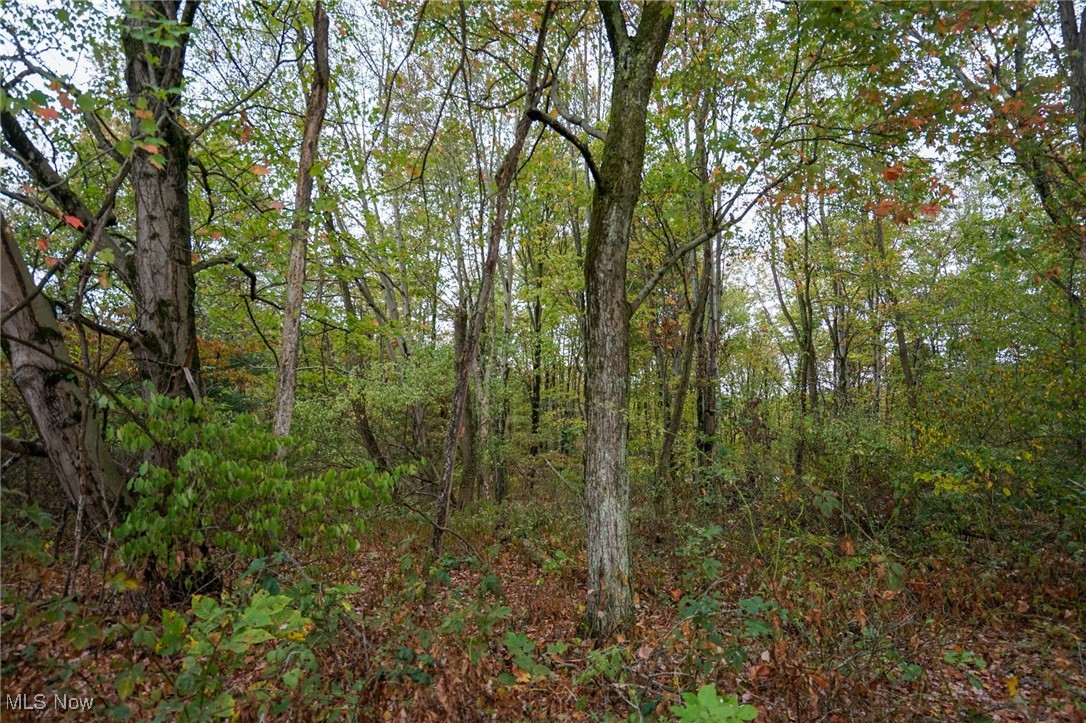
<point x="663" y="466"/>
<point x="165" y="348"/>
<point x="899" y="327"/>
<point x="607" y="492"/>
<point x="315" y="107"/>
<point x="1073" y="31"/>
<point x="469" y="468"/>
<point x="68" y="423"/>
<point x="503" y="182"/>
<point x="708" y="332"/>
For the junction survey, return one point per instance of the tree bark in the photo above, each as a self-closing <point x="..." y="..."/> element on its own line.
<point x="607" y="491"/>
<point x="1073" y="31"/>
<point x="708" y="332"/>
<point x="469" y="472"/>
<point x="315" y="107"/>
<point x="165" y="345"/>
<point x="68" y="423"/>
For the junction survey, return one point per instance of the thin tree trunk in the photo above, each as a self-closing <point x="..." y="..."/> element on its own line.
<point x="469" y="472"/>
<point x="899" y="325"/>
<point x="503" y="182"/>
<point x="663" y="465"/>
<point x="315" y="107"/>
<point x="708" y="332"/>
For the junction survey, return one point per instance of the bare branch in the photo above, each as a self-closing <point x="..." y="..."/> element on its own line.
<point x="538" y="115"/>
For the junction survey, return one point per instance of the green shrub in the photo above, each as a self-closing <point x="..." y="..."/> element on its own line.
<point x="231" y="489"/>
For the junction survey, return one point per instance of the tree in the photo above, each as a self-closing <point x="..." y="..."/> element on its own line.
<point x="618" y="187"/>
<point x="68" y="422"/>
<point x="316" y="103"/>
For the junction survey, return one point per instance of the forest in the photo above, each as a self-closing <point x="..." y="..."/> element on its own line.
<point x="550" y="360"/>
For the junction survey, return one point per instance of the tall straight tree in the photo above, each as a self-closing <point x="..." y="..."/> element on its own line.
<point x="315" y="106"/>
<point x="618" y="187"/>
<point x="155" y="37"/>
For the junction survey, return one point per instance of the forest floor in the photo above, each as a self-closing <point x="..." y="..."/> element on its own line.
<point x="801" y="626"/>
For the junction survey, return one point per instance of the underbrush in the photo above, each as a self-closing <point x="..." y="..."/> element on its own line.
<point x="793" y="599"/>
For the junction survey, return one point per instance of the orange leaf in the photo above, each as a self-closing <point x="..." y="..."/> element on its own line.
<point x="149" y="147"/>
<point x="66" y="101"/>
<point x="144" y="114"/>
<point x="46" y="113"/>
<point x="73" y="222"/>
<point x="51" y="261"/>
<point x="260" y="170"/>
<point x="885" y="208"/>
<point x="892" y="173"/>
<point x="43" y="243"/>
<point x="277" y="205"/>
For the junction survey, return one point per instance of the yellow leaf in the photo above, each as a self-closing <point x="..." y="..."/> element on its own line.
<point x="1012" y="686"/>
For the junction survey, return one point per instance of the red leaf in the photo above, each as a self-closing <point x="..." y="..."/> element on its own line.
<point x="73" y="222"/>
<point x="43" y="243"/>
<point x="51" y="261"/>
<point x="892" y="173"/>
<point x="66" y="101"/>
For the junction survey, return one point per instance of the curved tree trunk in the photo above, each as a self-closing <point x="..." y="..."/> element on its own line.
<point x="68" y="423"/>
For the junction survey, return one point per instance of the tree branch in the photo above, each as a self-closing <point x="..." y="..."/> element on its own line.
<point x="24" y="447"/>
<point x="676" y="256"/>
<point x="615" y="23"/>
<point x="571" y="118"/>
<point x="538" y="115"/>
